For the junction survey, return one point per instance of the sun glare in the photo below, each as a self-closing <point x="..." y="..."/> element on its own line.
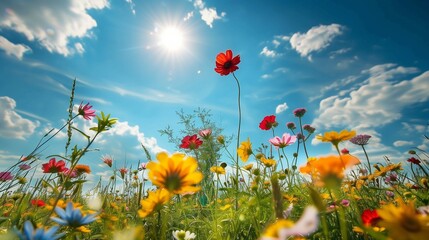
<point x="171" y="39"/>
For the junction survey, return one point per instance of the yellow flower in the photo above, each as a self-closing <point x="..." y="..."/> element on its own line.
<point x="177" y="173"/>
<point x="335" y="137"/>
<point x="272" y="231"/>
<point x="268" y="162"/>
<point x="226" y="207"/>
<point x="83" y="229"/>
<point x="217" y="170"/>
<point x="404" y="222"/>
<point x="248" y="167"/>
<point x="245" y="150"/>
<point x="154" y="202"/>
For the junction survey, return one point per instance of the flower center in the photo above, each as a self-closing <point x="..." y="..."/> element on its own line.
<point x="410" y="224"/>
<point x="227" y="64"/>
<point x="172" y="182"/>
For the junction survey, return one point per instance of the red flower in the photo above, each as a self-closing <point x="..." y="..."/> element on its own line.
<point x="86" y="111"/>
<point x="370" y="217"/>
<point x="225" y="63"/>
<point x="414" y="160"/>
<point x="345" y="151"/>
<point x="38" y="202"/>
<point x="54" y="167"/>
<point x="191" y="142"/>
<point x="268" y="122"/>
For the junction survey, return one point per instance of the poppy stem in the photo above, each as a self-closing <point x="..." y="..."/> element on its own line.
<point x="238" y="137"/>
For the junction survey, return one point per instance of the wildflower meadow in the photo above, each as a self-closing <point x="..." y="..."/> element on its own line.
<point x="216" y="186"/>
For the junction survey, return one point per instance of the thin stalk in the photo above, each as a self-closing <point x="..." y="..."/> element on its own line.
<point x="238" y="137"/>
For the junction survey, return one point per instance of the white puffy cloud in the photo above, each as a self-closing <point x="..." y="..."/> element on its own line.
<point x="315" y="39"/>
<point x="51" y="23"/>
<point x="281" y="108"/>
<point x="268" y="53"/>
<point x="13" y="125"/>
<point x="208" y="15"/>
<point x="188" y="16"/>
<point x="401" y="143"/>
<point x="377" y="102"/>
<point x="16" y="50"/>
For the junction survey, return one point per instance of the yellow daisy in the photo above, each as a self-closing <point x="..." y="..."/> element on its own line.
<point x="404" y="222"/>
<point x="177" y="173"/>
<point x="217" y="170"/>
<point x="268" y="162"/>
<point x="335" y="137"/>
<point x="154" y="202"/>
<point x="245" y="150"/>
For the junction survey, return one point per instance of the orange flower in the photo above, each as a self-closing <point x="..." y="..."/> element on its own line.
<point x="225" y="63"/>
<point x="81" y="168"/>
<point x="327" y="166"/>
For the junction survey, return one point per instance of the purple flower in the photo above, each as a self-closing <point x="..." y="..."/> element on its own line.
<point x="308" y="128"/>
<point x="290" y="125"/>
<point x="5" y="176"/>
<point x="24" y="166"/>
<point x="361" y="139"/>
<point x="299" y="112"/>
<point x="300" y="136"/>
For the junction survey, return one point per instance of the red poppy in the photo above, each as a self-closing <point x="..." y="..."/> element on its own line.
<point x="370" y="217"/>
<point x="191" y="142"/>
<point x="54" y="167"/>
<point x="38" y="202"/>
<point x="414" y="160"/>
<point x="225" y="63"/>
<point x="268" y="122"/>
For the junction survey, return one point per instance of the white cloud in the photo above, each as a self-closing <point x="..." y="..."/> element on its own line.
<point x="414" y="128"/>
<point x="268" y="53"/>
<point x="12" y="125"/>
<point x="266" y="76"/>
<point x="51" y="23"/>
<point x="401" y="143"/>
<point x="208" y="15"/>
<point x="151" y="95"/>
<point x="16" y="50"/>
<point x="377" y="102"/>
<point x="341" y="51"/>
<point x="188" y="16"/>
<point x="315" y="39"/>
<point x="79" y="48"/>
<point x="132" y="6"/>
<point x="281" y="108"/>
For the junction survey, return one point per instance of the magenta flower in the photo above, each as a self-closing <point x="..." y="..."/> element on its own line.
<point x="290" y="125"/>
<point x="5" y="176"/>
<point x="24" y="166"/>
<point x="86" y="111"/>
<point x="299" y="112"/>
<point x="308" y="128"/>
<point x="286" y="140"/>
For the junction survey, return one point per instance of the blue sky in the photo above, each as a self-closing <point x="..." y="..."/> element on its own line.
<point x="352" y="64"/>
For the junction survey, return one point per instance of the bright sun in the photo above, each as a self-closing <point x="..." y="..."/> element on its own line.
<point x="171" y="39"/>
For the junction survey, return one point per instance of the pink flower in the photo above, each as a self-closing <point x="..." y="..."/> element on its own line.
<point x="5" y="176"/>
<point x="24" y="166"/>
<point x="286" y="140"/>
<point x="142" y="166"/>
<point x="345" y="202"/>
<point x="123" y="171"/>
<point x="108" y="160"/>
<point x="205" y="133"/>
<point x="86" y="111"/>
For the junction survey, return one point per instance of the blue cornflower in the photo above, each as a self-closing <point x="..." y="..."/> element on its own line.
<point x="28" y="233"/>
<point x="72" y="217"/>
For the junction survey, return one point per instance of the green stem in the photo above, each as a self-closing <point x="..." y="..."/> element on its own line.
<point x="238" y="138"/>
